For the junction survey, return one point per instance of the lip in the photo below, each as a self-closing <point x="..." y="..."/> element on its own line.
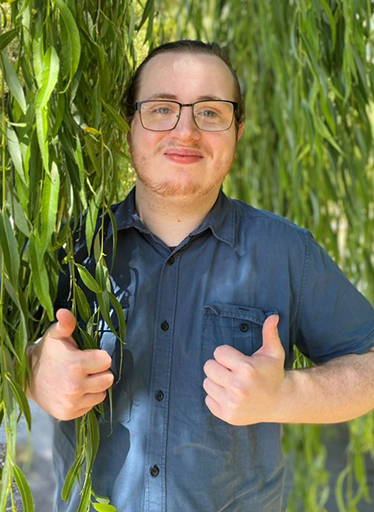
<point x="183" y="155"/>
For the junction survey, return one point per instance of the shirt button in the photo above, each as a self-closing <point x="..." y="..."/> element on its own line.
<point x="154" y="471"/>
<point x="164" y="326"/>
<point x="159" y="396"/>
<point x="171" y="260"/>
<point x="244" y="327"/>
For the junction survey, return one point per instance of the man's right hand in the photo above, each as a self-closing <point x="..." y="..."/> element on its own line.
<point x="67" y="382"/>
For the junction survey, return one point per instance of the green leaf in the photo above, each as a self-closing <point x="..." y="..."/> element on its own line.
<point x="88" y="280"/>
<point x="71" y="477"/>
<point x="121" y="317"/>
<point x="14" y="84"/>
<point x="101" y="507"/>
<point x="117" y="119"/>
<point x="9" y="248"/>
<point x="84" y="505"/>
<point x="51" y="67"/>
<point x="37" y="59"/>
<point x="42" y="133"/>
<point x="148" y="11"/>
<point x="79" y="160"/>
<point x="103" y="301"/>
<point x="14" y="149"/>
<point x="82" y="303"/>
<point x="88" y="341"/>
<point x="73" y="36"/>
<point x="4" y="487"/>
<point x="40" y="276"/>
<point x="24" y="489"/>
<point x="91" y="217"/>
<point x="21" y="399"/>
<point x="49" y="206"/>
<point x="60" y="112"/>
<point x="7" y="38"/>
<point x="114" y="234"/>
<point x="101" y="499"/>
<point x="93" y="440"/>
<point x="331" y="18"/>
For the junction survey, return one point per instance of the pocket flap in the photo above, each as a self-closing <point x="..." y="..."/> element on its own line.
<point x="252" y="314"/>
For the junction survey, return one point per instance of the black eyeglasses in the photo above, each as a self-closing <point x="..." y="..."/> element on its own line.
<point x="209" y="116"/>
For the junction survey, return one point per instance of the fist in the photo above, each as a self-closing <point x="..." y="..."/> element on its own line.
<point x="244" y="390"/>
<point x="65" y="381"/>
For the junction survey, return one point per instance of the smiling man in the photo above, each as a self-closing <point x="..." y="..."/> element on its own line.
<point x="216" y="295"/>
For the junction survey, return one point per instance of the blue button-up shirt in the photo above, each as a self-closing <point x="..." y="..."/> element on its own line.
<point x="164" y="450"/>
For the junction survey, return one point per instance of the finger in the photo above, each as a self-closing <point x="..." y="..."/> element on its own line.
<point x="94" y="361"/>
<point x="89" y="400"/>
<point x="65" y="325"/>
<point x="215" y="391"/>
<point x="271" y="343"/>
<point x="229" y="357"/>
<point x="218" y="373"/>
<point x="214" y="407"/>
<point x="98" y="382"/>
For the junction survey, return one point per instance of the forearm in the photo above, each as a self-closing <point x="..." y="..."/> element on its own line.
<point x="337" y="391"/>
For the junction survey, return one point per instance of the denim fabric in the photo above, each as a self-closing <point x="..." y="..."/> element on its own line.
<point x="240" y="266"/>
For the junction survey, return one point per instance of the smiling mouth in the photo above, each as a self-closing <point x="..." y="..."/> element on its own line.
<point x="184" y="156"/>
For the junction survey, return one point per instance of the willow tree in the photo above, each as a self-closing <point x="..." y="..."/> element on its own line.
<point x="306" y="69"/>
<point x="64" y="68"/>
<point x="306" y="153"/>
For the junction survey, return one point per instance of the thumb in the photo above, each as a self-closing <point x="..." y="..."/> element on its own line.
<point x="271" y="343"/>
<point x="64" y="327"/>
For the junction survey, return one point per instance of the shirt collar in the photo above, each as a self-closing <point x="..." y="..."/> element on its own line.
<point x="221" y="219"/>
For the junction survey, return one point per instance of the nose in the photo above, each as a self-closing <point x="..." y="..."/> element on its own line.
<point x="186" y="127"/>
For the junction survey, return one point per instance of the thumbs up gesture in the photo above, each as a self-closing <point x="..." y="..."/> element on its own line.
<point x="65" y="381"/>
<point x="244" y="390"/>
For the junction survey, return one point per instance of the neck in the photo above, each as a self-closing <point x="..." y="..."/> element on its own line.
<point x="172" y="218"/>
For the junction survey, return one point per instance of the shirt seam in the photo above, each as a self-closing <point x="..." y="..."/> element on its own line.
<point x="303" y="282"/>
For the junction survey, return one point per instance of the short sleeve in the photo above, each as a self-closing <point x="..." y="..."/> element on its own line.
<point x="334" y="318"/>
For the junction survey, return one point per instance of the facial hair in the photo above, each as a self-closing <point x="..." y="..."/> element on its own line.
<point x="181" y="180"/>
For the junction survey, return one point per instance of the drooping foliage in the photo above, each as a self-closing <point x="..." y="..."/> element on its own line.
<point x="306" y="153"/>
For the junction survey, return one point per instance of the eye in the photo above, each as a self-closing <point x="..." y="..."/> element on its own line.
<point x="161" y="110"/>
<point x="208" y="113"/>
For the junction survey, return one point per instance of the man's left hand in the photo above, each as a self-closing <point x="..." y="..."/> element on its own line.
<point x="244" y="390"/>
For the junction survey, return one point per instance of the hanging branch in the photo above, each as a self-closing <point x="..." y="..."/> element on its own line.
<point x="64" y="70"/>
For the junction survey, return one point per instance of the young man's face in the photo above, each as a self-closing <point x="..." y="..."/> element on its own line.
<point x="184" y="162"/>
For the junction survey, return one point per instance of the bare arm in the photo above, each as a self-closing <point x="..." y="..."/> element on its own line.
<point x="339" y="390"/>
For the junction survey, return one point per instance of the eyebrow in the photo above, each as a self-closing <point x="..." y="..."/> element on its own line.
<point x="168" y="96"/>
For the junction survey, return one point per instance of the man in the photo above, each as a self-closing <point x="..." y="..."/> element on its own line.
<point x="216" y="294"/>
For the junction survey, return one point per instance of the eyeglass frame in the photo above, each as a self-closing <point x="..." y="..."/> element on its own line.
<point x="138" y="106"/>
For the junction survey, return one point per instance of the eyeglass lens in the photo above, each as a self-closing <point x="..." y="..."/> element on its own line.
<point x="209" y="115"/>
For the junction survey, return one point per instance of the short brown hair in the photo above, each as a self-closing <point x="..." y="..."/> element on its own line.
<point x="182" y="46"/>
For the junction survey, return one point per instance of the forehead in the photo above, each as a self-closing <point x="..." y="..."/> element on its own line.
<point x="187" y="76"/>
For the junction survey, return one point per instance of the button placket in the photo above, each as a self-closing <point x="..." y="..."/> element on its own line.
<point x="160" y="386"/>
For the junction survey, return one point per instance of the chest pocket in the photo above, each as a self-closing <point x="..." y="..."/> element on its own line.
<point x="238" y="326"/>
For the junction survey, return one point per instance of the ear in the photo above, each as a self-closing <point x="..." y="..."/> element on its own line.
<point x="128" y="138"/>
<point x="240" y="130"/>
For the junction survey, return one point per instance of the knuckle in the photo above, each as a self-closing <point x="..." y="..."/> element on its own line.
<point x="220" y="351"/>
<point x="240" y="389"/>
<point x="72" y="388"/>
<point x="75" y="366"/>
